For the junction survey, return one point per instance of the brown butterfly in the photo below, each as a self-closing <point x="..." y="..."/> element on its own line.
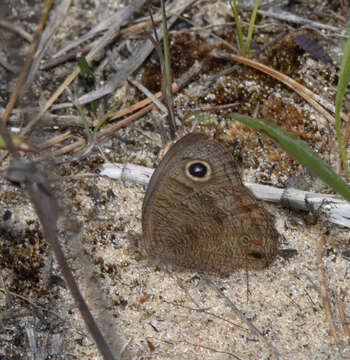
<point x="198" y="215"/>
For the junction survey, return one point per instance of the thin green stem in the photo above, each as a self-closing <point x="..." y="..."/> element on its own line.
<point x="238" y="26"/>
<point x="251" y="26"/>
<point x="344" y="78"/>
<point x="85" y="122"/>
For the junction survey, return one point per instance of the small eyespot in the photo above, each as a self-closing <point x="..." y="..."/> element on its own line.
<point x="245" y="240"/>
<point x="198" y="170"/>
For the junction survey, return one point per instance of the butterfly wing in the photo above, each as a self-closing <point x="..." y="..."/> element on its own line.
<point x="210" y="223"/>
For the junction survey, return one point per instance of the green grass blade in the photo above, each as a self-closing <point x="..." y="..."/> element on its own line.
<point x="101" y="121"/>
<point x="89" y="78"/>
<point x="84" y="66"/>
<point x="238" y="26"/>
<point x="85" y="122"/>
<point x="251" y="26"/>
<point x="344" y="78"/>
<point x="300" y="151"/>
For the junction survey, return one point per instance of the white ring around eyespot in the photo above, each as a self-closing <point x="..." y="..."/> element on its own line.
<point x="194" y="178"/>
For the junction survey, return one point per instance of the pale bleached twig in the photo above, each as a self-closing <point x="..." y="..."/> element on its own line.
<point x="60" y="12"/>
<point x="102" y="26"/>
<point x="149" y="94"/>
<point x="16" y="29"/>
<point x="287" y="16"/>
<point x="332" y="208"/>
<point x="136" y="60"/>
<point x="105" y="40"/>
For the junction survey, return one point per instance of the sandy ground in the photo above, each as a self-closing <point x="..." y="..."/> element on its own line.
<point x="160" y="313"/>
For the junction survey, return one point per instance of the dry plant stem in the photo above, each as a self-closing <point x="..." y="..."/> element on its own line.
<point x="102" y="26"/>
<point x="323" y="288"/>
<point x="43" y="201"/>
<point x="37" y="306"/>
<point x="141" y="104"/>
<point x="62" y="55"/>
<point x="8" y="66"/>
<point x="339" y="165"/>
<point x="238" y="312"/>
<point x="148" y="94"/>
<point x="31" y="50"/>
<point x="76" y="146"/>
<point x="106" y="39"/>
<point x="132" y="65"/>
<point x="73" y="54"/>
<point x="336" y="212"/>
<point x="287" y="16"/>
<point x="108" y="131"/>
<point x="59" y="14"/>
<point x="214" y="107"/>
<point x="55" y="140"/>
<point x="167" y="76"/>
<point x="48" y="119"/>
<point x="308" y="95"/>
<point x="79" y="144"/>
<point x="16" y="29"/>
<point x="178" y="84"/>
<point x="63" y="58"/>
<point x="115" y="127"/>
<point x="342" y="317"/>
<point x="118" y="78"/>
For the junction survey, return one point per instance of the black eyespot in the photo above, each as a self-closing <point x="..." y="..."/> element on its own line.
<point x="198" y="170"/>
<point x="255" y="255"/>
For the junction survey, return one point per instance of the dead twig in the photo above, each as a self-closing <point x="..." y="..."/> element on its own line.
<point x="342" y="317"/>
<point x="137" y="59"/>
<point x="16" y="29"/>
<point x="106" y="39"/>
<point x="30" y="54"/>
<point x="55" y="140"/>
<point x="313" y="99"/>
<point x="287" y="16"/>
<point x="60" y="12"/>
<point x="26" y="299"/>
<point x="62" y="56"/>
<point x="40" y="194"/>
<point x="78" y="145"/>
